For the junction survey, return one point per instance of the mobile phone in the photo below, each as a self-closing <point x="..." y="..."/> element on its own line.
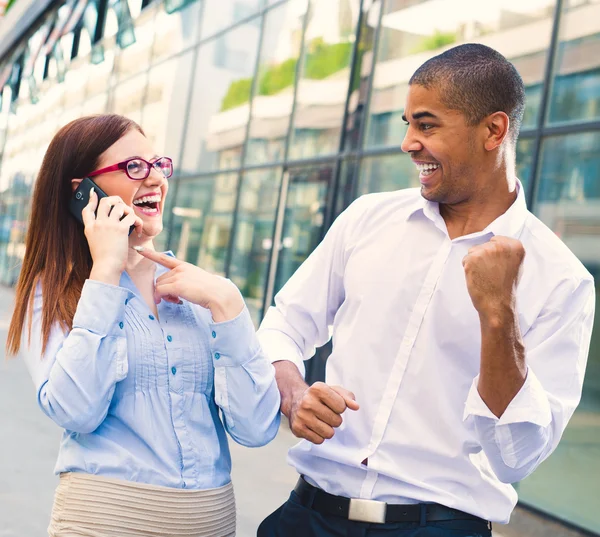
<point x="81" y="198"/>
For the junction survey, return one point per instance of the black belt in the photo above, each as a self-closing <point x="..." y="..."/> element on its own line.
<point x="374" y="511"/>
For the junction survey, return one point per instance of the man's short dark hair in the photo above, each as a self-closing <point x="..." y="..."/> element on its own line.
<point x="477" y="81"/>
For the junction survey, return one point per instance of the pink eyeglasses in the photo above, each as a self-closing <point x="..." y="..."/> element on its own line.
<point x="139" y="169"/>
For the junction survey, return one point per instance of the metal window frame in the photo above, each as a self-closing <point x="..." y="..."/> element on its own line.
<point x="544" y="105"/>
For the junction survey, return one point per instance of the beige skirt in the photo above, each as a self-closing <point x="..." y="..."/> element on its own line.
<point x="92" y="506"/>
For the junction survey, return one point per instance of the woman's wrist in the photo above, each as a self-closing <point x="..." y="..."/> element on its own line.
<point x="105" y="274"/>
<point x="227" y="302"/>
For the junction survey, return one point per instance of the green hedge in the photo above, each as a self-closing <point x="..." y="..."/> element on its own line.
<point x="435" y="41"/>
<point x="322" y="60"/>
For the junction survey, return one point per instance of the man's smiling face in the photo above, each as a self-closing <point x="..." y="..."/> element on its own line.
<point x="443" y="146"/>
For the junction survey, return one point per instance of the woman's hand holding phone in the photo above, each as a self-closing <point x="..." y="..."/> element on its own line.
<point x="107" y="233"/>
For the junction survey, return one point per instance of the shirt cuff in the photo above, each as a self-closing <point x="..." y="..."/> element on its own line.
<point x="530" y="405"/>
<point x="234" y="342"/>
<point x="101" y="308"/>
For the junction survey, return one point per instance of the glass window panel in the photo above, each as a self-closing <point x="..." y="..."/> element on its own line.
<point x="218" y="14"/>
<point x="129" y="12"/>
<point x="75" y="82"/>
<point x="95" y="105"/>
<point x="360" y="83"/>
<point x="345" y="188"/>
<point x="323" y="85"/>
<point x="165" y="107"/>
<point x="13" y="226"/>
<point x="160" y="242"/>
<point x="128" y="98"/>
<point x="217" y="129"/>
<point x="253" y="238"/>
<point x="387" y="173"/>
<point x="202" y="220"/>
<point x="70" y="114"/>
<point x="274" y="97"/>
<point x="525" y="149"/>
<point x="518" y="30"/>
<point x="576" y="85"/>
<point x="176" y="31"/>
<point x="568" y="201"/>
<point x="136" y="57"/>
<point x="304" y="218"/>
<point x="99" y="77"/>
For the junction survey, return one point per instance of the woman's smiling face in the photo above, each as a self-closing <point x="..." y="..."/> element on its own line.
<point x="147" y="197"/>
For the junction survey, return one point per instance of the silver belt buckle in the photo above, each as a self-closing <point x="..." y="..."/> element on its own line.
<point x="367" y="511"/>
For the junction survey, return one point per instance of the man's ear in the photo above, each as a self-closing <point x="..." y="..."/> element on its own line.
<point x="75" y="184"/>
<point x="497" y="125"/>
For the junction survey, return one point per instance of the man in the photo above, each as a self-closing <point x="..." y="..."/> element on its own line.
<point x="461" y="327"/>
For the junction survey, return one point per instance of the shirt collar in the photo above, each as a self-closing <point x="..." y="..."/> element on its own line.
<point x="508" y="224"/>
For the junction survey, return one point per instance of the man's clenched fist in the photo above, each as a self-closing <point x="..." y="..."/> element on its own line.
<point x="492" y="271"/>
<point x="317" y="410"/>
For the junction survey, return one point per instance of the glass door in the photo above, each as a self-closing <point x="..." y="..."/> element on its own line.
<point x="300" y="222"/>
<point x="299" y="228"/>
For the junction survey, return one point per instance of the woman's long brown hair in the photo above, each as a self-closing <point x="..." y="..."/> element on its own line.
<point x="56" y="250"/>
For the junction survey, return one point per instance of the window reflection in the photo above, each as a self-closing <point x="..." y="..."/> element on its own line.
<point x="253" y="239"/>
<point x="176" y="31"/>
<point x="323" y="86"/>
<point x="14" y="212"/>
<point x="387" y="173"/>
<point x="568" y="198"/>
<point x="360" y="83"/>
<point x="519" y="30"/>
<point x="304" y="219"/>
<point x="218" y="14"/>
<point x="568" y="201"/>
<point x="128" y="98"/>
<point x="95" y="105"/>
<point x="202" y="219"/>
<point x="98" y="77"/>
<point x="166" y="105"/>
<point x="273" y="101"/>
<point x="576" y="87"/>
<point x="136" y="57"/>
<point x="219" y="113"/>
<point x="525" y="156"/>
<point x="75" y="83"/>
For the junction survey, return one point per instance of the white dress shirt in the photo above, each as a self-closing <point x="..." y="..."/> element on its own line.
<point x="388" y="284"/>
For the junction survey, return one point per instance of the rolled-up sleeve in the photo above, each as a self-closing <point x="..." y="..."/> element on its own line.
<point x="245" y="386"/>
<point x="530" y="428"/>
<point x="76" y="376"/>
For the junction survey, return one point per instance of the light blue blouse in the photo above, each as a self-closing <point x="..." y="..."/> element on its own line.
<point x="139" y="397"/>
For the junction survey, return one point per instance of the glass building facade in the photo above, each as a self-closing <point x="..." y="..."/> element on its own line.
<point x="279" y="113"/>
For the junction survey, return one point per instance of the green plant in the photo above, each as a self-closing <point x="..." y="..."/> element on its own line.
<point x="323" y="60"/>
<point x="238" y="93"/>
<point x="277" y="77"/>
<point x="435" y="41"/>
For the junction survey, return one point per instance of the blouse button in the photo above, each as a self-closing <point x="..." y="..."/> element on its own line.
<point x="169" y="339"/>
<point x="214" y="334"/>
<point x="217" y="356"/>
<point x="121" y="325"/>
<point x="151" y="317"/>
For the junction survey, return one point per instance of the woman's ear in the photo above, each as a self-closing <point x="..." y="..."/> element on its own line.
<point x="75" y="184"/>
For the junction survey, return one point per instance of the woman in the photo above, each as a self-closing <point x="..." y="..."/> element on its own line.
<point x="132" y="358"/>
